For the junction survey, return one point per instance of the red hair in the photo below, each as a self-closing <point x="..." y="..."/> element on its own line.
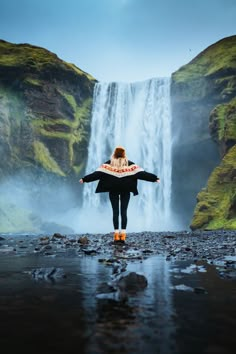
<point x="119" y="152"/>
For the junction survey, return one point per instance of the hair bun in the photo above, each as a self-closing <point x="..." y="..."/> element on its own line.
<point x="119" y="152"/>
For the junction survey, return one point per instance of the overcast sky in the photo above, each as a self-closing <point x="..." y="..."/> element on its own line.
<point x="120" y="40"/>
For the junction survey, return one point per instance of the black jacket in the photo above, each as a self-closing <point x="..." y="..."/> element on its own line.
<point x="122" y="180"/>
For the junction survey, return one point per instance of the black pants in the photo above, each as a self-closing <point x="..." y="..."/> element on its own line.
<point x="119" y="202"/>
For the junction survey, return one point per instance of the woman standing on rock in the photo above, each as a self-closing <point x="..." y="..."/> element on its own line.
<point x="118" y="177"/>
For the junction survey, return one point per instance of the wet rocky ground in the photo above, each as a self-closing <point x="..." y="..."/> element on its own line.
<point x="213" y="246"/>
<point x="160" y="292"/>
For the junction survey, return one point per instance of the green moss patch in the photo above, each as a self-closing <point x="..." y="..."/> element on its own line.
<point x="44" y="158"/>
<point x="73" y="132"/>
<point x="223" y="121"/>
<point x="216" y="207"/>
<point x="78" y="168"/>
<point x="33" y="81"/>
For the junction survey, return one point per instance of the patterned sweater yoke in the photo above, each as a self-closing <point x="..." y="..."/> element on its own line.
<point x="120" y="172"/>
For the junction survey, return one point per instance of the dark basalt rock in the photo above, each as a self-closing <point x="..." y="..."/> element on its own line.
<point x="51" y="273"/>
<point x="131" y="282"/>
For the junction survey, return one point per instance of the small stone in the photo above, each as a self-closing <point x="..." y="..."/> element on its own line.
<point x="183" y="287"/>
<point x="43" y="243"/>
<point x="131" y="281"/>
<point x="108" y="261"/>
<point x="90" y="252"/>
<point x="44" y="238"/>
<point x="200" y="290"/>
<point x="7" y="249"/>
<point x="188" y="249"/>
<point x="83" y="240"/>
<point x="48" y="273"/>
<point x="57" y="236"/>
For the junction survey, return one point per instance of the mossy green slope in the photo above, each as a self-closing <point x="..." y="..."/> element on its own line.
<point x="45" y="111"/>
<point x="216" y="204"/>
<point x="204" y="116"/>
<point x="35" y="60"/>
<point x="216" y="207"/>
<point x="213" y="71"/>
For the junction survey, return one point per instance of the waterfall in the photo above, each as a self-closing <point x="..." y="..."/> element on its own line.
<point x="138" y="117"/>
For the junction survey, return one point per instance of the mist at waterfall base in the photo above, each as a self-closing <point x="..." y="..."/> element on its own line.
<point x="138" y="117"/>
<point x="38" y="204"/>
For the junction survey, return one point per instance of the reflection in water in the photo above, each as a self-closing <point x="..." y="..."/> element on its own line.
<point x="58" y="317"/>
<point x="144" y="324"/>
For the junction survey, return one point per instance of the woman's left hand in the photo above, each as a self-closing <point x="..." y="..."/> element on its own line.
<point x="81" y="180"/>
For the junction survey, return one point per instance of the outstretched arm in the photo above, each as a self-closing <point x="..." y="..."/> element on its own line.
<point x="91" y="177"/>
<point x="147" y="176"/>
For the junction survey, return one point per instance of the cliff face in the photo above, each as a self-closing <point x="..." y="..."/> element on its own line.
<point x="203" y="95"/>
<point x="45" y="111"/>
<point x="45" y="106"/>
<point x="216" y="204"/>
<point x="216" y="207"/>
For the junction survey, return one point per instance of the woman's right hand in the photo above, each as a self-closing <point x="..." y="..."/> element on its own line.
<point x="81" y="180"/>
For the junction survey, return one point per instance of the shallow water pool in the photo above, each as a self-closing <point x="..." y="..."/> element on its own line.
<point x="186" y="308"/>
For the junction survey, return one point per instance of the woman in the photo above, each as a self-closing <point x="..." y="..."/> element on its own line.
<point x="118" y="177"/>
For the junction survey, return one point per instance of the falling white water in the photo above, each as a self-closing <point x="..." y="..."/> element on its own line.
<point x="138" y="117"/>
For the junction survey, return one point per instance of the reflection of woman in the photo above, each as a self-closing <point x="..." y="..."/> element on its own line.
<point x="119" y="176"/>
